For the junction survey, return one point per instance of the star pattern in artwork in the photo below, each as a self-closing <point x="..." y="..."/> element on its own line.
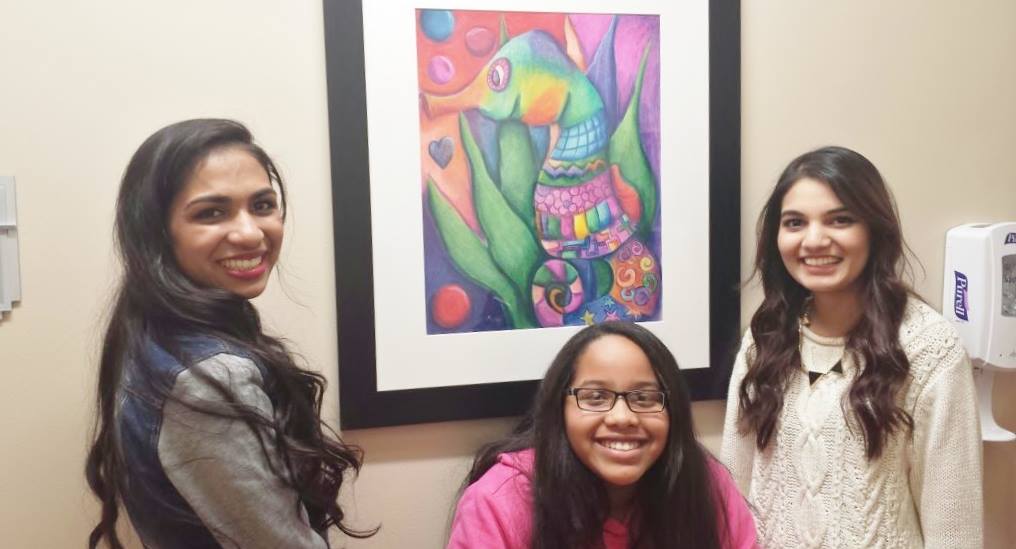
<point x="588" y="318"/>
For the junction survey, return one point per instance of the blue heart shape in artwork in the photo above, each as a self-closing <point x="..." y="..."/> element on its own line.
<point x="441" y="151"/>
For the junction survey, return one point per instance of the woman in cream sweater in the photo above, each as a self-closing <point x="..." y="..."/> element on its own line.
<point x="851" y="416"/>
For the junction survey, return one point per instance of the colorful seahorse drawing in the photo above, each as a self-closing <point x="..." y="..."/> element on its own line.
<point x="590" y="203"/>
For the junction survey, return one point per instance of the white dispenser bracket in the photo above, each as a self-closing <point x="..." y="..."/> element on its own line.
<point x="10" y="277"/>
<point x="984" y="379"/>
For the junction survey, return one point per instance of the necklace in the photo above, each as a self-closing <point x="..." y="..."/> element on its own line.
<point x="802" y="321"/>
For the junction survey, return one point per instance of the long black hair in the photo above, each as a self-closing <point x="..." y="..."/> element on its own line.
<point x="875" y="339"/>
<point x="156" y="303"/>
<point x="676" y="500"/>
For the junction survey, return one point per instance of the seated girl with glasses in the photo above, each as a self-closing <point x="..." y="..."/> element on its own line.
<point x="585" y="470"/>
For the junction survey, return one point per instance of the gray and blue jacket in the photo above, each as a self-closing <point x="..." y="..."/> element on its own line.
<point x="196" y="480"/>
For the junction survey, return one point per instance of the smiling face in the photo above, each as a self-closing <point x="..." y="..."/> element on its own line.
<point x="824" y="246"/>
<point x="618" y="446"/>
<point x="226" y="224"/>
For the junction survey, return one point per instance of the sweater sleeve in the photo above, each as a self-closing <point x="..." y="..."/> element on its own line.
<point x="946" y="470"/>
<point x="219" y="465"/>
<point x="493" y="513"/>
<point x="738" y="450"/>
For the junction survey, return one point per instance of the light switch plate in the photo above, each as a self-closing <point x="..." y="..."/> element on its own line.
<point x="10" y="277"/>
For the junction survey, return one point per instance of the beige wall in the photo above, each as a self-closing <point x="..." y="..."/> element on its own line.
<point x="925" y="89"/>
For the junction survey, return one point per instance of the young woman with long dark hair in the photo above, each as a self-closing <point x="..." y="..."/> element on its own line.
<point x="208" y="434"/>
<point x="851" y="416"/>
<point x="583" y="470"/>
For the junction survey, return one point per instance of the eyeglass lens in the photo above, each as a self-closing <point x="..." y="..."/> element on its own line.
<point x="602" y="400"/>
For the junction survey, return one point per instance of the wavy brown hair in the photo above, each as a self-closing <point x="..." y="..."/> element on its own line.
<point x="156" y="303"/>
<point x="873" y="342"/>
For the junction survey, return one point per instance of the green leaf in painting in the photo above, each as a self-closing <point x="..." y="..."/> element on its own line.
<point x="518" y="167"/>
<point x="510" y="240"/>
<point x="473" y="258"/>
<point x="626" y="151"/>
<point x="604" y="277"/>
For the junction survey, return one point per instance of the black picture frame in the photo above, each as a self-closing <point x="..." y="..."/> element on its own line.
<point x="361" y="404"/>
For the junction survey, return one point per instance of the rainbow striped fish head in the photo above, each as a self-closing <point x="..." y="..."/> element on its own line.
<point x="529" y="79"/>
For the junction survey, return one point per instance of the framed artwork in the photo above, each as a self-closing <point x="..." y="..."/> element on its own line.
<point x="503" y="178"/>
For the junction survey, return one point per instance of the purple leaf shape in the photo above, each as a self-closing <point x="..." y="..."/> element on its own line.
<point x="602" y="72"/>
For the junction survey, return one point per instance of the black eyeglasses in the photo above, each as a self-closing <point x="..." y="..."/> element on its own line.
<point x="603" y="400"/>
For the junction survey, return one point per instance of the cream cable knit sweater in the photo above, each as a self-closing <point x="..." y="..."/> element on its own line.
<point x="813" y="487"/>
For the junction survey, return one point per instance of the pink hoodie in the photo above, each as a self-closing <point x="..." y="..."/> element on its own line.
<point x="495" y="511"/>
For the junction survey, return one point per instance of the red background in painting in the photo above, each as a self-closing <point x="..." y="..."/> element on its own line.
<point x="454" y="47"/>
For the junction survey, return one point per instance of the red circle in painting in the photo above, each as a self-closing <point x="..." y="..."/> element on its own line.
<point x="450" y="306"/>
<point x="479" y="41"/>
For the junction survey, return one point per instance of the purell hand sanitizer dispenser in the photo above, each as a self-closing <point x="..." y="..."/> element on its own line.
<point x="979" y="297"/>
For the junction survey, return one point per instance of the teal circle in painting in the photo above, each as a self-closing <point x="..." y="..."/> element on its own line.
<point x="437" y="24"/>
